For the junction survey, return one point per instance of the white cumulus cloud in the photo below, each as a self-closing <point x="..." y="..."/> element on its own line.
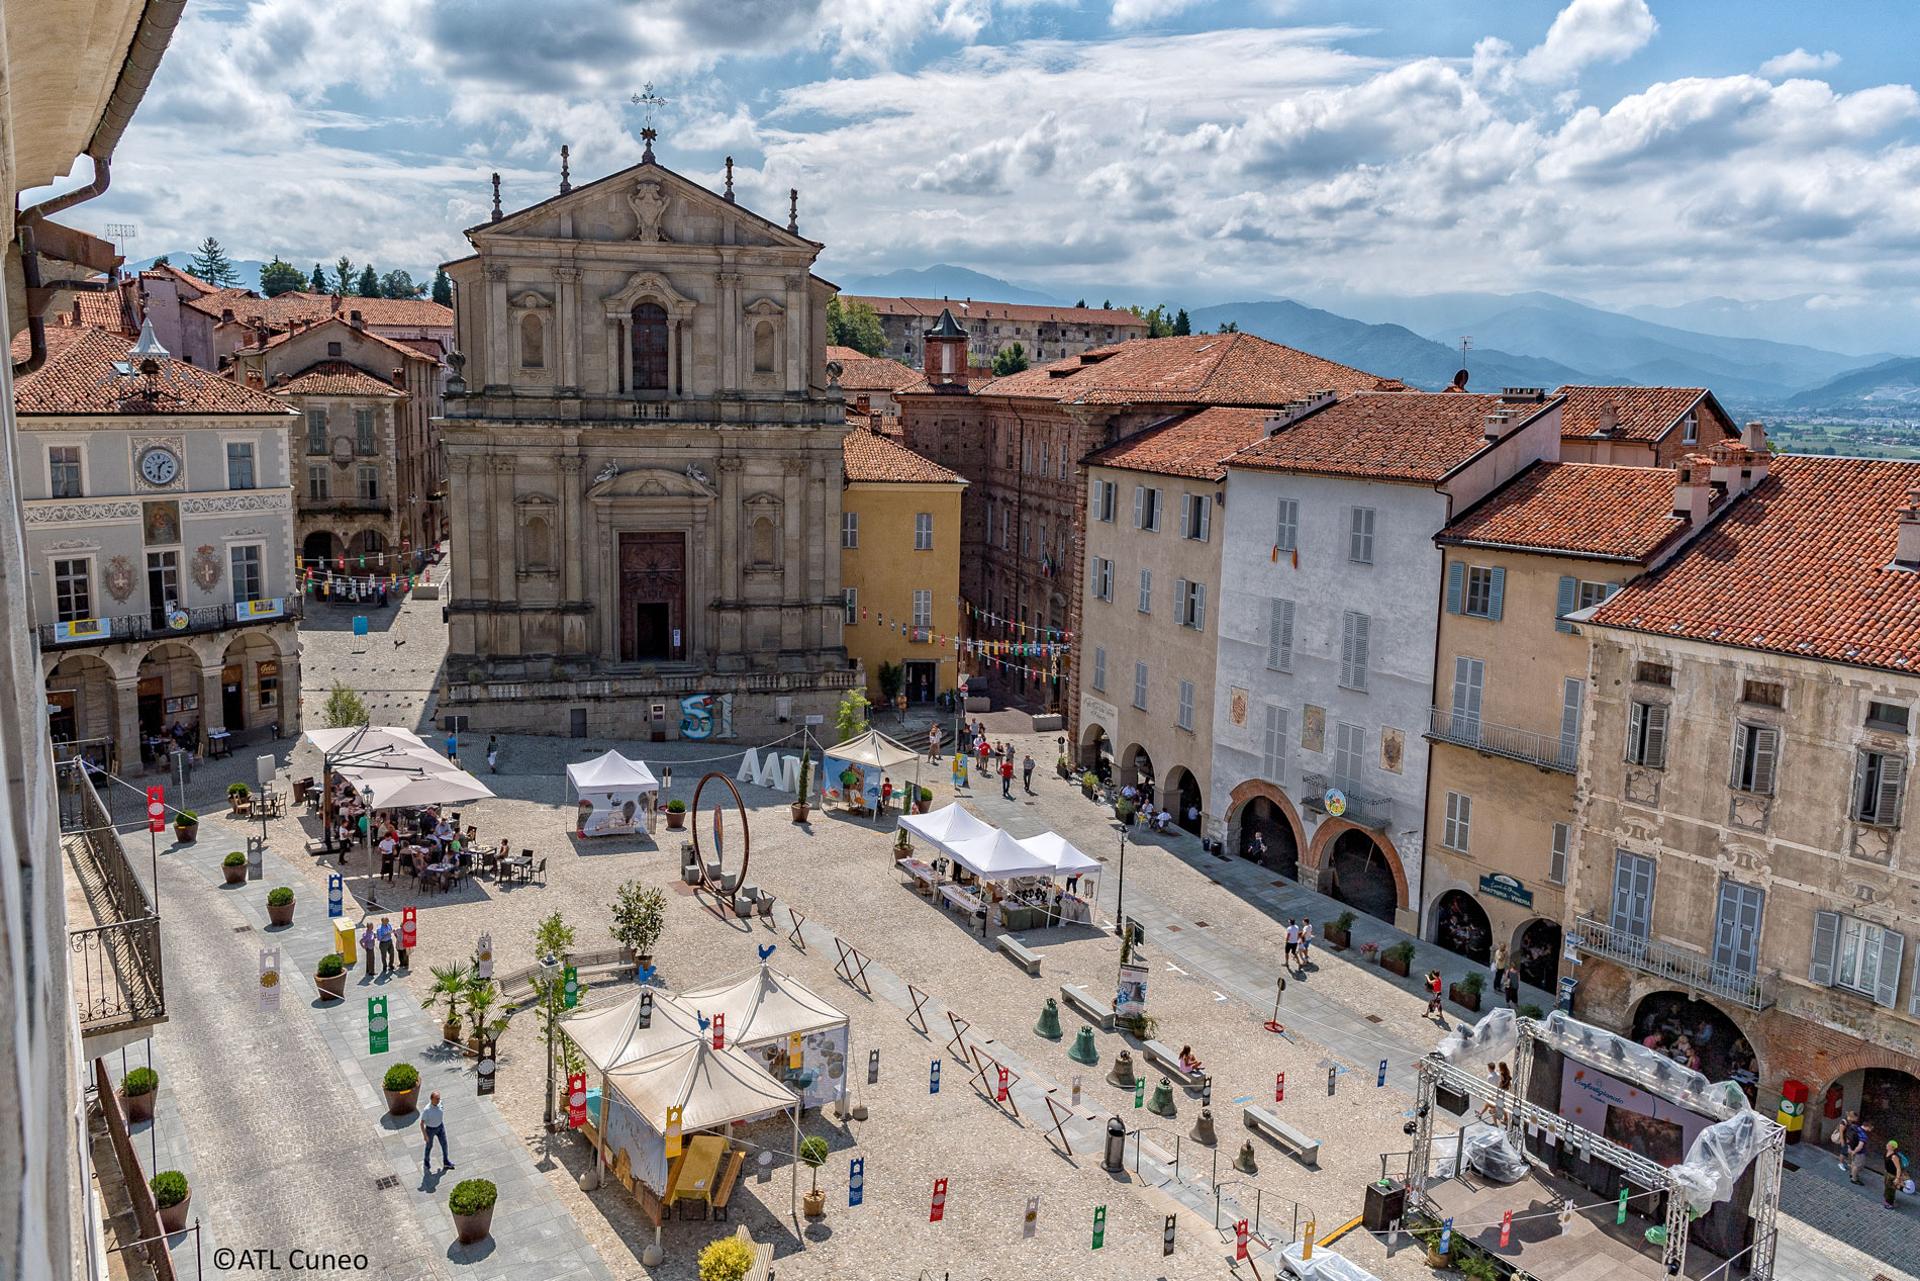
<point x="1586" y="32"/>
<point x="1798" y="63"/>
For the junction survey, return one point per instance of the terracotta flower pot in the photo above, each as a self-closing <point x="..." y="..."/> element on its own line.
<point x="173" y="1218"/>
<point x="186" y="833"/>
<point x="1337" y="938"/>
<point x="334" y="988"/>
<point x="676" y="820"/>
<point x="139" y="1107"/>
<point x="1462" y="997"/>
<point x="234" y="875"/>
<point x="280" y="913"/>
<point x="470" y="1228"/>
<point x="1394" y="965"/>
<point x="799" y="810"/>
<point x="402" y="1102"/>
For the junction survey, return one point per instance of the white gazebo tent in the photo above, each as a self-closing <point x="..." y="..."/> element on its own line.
<point x="368" y="746"/>
<point x="946" y="827"/>
<point x="610" y="790"/>
<point x="1065" y="858"/>
<point x="869" y="753"/>
<point x="412" y="779"/>
<point x="763" y="1009"/>
<point x="998" y="857"/>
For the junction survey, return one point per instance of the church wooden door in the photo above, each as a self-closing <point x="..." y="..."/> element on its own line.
<point x="653" y="597"/>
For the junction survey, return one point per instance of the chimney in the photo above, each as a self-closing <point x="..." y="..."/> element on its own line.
<point x="400" y="378"/>
<point x="1523" y="395"/>
<point x="281" y="379"/>
<point x="862" y="404"/>
<point x="1495" y="423"/>
<point x="1692" y="493"/>
<point x="1907" y="555"/>
<point x="353" y="318"/>
<point x="256" y="379"/>
<point x="1609" y="419"/>
<point x="335" y="308"/>
<point x="1294" y="410"/>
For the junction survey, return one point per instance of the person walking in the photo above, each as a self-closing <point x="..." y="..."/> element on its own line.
<point x="367" y="937"/>
<point x="886" y="792"/>
<point x="1857" y="1140"/>
<point x="493" y="754"/>
<point x="933" y="743"/>
<point x="385" y="935"/>
<point x="1306" y="941"/>
<point x="1293" y="943"/>
<point x="1892" y="1174"/>
<point x="453" y="746"/>
<point x="1026" y="773"/>
<point x="1433" y="996"/>
<point x="1510" y="987"/>
<point x="1006" y="777"/>
<point x="433" y="1125"/>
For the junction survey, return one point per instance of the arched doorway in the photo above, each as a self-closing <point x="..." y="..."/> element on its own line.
<point x="82" y="715"/>
<point x="367" y="550"/>
<point x="1461" y="926"/>
<point x="1183" y="799"/>
<point x="1276" y="847"/>
<point x="1699" y="1035"/>
<point x="168" y="695"/>
<point x="250" y="682"/>
<point x="321" y="549"/>
<point x="1360" y="875"/>
<point x="1536" y="952"/>
<point x="1886" y="1098"/>
<point x="1136" y="768"/>
<point x="1096" y="751"/>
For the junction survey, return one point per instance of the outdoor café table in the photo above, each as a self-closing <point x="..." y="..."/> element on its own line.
<point x="438" y="873"/>
<point x="695" y="1183"/>
<point x="921" y="871"/>
<point x="219" y="742"/>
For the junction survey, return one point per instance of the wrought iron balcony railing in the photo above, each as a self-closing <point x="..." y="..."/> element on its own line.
<point x="114" y="964"/>
<point x="1548" y="751"/>
<point x="150" y="625"/>
<point x="1669" y="961"/>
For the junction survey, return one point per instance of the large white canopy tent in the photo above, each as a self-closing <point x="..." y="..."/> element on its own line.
<point x="998" y="857"/>
<point x="1065" y="858"/>
<point x="610" y="791"/>
<point x="946" y="827"/>
<point x="358" y="739"/>
<point x="873" y="748"/>
<point x="410" y="780"/>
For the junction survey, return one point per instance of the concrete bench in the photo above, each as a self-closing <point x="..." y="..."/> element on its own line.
<point x="1101" y="1016"/>
<point x="1022" y="955"/>
<point x="1169" y="1061"/>
<point x="1263" y="1122"/>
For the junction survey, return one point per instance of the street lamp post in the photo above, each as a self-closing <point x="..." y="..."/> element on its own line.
<point x="1120" y="902"/>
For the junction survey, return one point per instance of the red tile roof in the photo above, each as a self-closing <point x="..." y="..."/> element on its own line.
<point x="395" y="344"/>
<point x="1196" y="445"/>
<point x="1639" y="413"/>
<point x="282" y="311"/>
<point x="968" y="309"/>
<point x="79" y="378"/>
<point x="335" y="378"/>
<point x="860" y="372"/>
<point x="1803" y="566"/>
<point x="1406" y="436"/>
<point x="1582" y="509"/>
<point x="1205" y="369"/>
<point x="92" y="310"/>
<point x="168" y="270"/>
<point x="870" y="456"/>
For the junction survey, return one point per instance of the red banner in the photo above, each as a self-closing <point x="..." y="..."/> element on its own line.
<point x="577" y="1099"/>
<point x="1279" y="1087"/>
<point x="1240" y="1239"/>
<point x="1001" y="1093"/>
<point x="409" y="932"/>
<point x="939" y="1201"/>
<point x="156" y="809"/>
<point x="1506" y="1228"/>
<point x="719" y="1031"/>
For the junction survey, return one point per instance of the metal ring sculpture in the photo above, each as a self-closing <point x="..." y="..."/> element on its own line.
<point x="746" y="836"/>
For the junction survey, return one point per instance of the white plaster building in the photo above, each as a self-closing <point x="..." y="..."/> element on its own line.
<point x="1329" y="607"/>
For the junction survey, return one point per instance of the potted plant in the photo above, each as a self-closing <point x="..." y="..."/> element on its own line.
<point x="237" y="793"/>
<point x="472" y="1204"/>
<point x="922" y="800"/>
<point x="330" y="976"/>
<point x="186" y="827"/>
<point x="449" y="989"/>
<point x="481" y="996"/>
<point x="1370" y="952"/>
<point x="1123" y="810"/>
<point x="801" y="794"/>
<point x="813" y="1151"/>
<point x="1466" y="993"/>
<point x="1063" y="767"/>
<point x="280" y="905"/>
<point x="139" y="1091"/>
<point x="1398" y="958"/>
<point x="902" y="844"/>
<point x="1532" y="1011"/>
<point x="676" y="814"/>
<point x="1090" y="784"/>
<point x="726" y="1259"/>
<point x="1430" y="1238"/>
<point x="234" y="868"/>
<point x="1339" y="931"/>
<point x="639" y="915"/>
<point x="170" y="1197"/>
<point x="402" y="1084"/>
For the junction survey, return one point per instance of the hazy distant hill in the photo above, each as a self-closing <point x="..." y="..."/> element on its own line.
<point x="942" y="280"/>
<point x="1891" y="385"/>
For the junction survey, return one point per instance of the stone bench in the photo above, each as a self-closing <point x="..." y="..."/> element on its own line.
<point x="1169" y="1061"/>
<point x="1022" y="955"/>
<point x="1303" y="1146"/>
<point x="1078" y="998"/>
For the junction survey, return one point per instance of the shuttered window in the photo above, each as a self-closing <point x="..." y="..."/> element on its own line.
<point x="1573" y="693"/>
<point x="1100" y="668"/>
<point x="1190" y="604"/>
<point x="1185" y="715"/>
<point x="1736" y="929"/>
<point x="1273" y="742"/>
<point x="1356" y="634"/>
<point x="1565" y="603"/>
<point x="1632" y="913"/>
<point x="1480" y="592"/>
<point x="1140" y="686"/>
<point x="1286" y="528"/>
<point x="1857" y="955"/>
<point x="1457" y="831"/>
<point x="1280" y="635"/>
<point x="849" y="529"/>
<point x="1557" y="864"/>
<point x="1360" y="536"/>
<point x="1647" y="735"/>
<point x="1349" y="754"/>
<point x="1146" y="591"/>
<point x="1197" y="519"/>
<point x="1756" y="750"/>
<point x="1879" y="788"/>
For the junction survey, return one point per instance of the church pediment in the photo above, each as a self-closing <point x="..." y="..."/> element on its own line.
<point x="651" y="482"/>
<point x="645" y="204"/>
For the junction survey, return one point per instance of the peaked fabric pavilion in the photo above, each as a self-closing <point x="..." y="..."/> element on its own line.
<point x="946" y="826"/>
<point x="873" y="748"/>
<point x="1066" y="859"/>
<point x="711" y="1087"/>
<point x="999" y="857"/>
<point x="612" y="773"/>
<point x="762" y="1005"/>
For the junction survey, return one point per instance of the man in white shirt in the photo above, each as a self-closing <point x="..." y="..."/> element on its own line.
<point x="1293" y="941"/>
<point x="433" y="1125"/>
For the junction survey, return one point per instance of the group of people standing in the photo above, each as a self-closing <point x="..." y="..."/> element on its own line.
<point x="1896" y="1167"/>
<point x="387" y="939"/>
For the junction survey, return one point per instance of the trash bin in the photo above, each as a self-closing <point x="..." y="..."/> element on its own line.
<point x="1793" y="1108"/>
<point x="1115" y="1158"/>
<point x="344" y="942"/>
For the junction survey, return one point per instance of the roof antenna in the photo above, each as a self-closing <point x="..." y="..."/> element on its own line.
<point x="566" y="180"/>
<point x="728" y="194"/>
<point x="496" y="197"/>
<point x="1460" y="375"/>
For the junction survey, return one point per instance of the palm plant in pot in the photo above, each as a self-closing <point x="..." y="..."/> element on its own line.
<point x="449" y="989"/>
<point x="280" y="905"/>
<point x="676" y="815"/>
<point x="639" y="915"/>
<point x="482" y="995"/>
<point x="402" y="1086"/>
<point x="330" y="976"/>
<point x="170" y="1197"/>
<point x="234" y="868"/>
<point x="472" y="1202"/>
<point x="802" y="793"/>
<point x="139" y="1091"/>
<point x="813" y="1152"/>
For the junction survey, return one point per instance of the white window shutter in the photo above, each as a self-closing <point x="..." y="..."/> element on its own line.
<point x="1139" y="503"/>
<point x="1766" y="749"/>
<point x="1886" y="987"/>
<point x="1893" y="771"/>
<point x="1826" y="941"/>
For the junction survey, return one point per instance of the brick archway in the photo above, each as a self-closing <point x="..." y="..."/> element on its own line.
<point x="1260" y="787"/>
<point x="1331" y="829"/>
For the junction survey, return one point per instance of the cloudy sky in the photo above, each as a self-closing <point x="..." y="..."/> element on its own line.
<point x="1619" y="150"/>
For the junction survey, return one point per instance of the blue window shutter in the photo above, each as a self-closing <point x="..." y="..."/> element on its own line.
<point x="1569" y="600"/>
<point x="1456" y="586"/>
<point x="1498" y="591"/>
<point x="1826" y="941"/>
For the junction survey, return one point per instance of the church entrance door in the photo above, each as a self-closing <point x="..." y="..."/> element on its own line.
<point x="653" y="597"/>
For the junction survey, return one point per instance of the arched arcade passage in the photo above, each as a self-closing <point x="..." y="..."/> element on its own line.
<point x="1360" y="874"/>
<point x="1697" y="1034"/>
<point x="1183" y="800"/>
<point x="1461" y="926"/>
<point x="1536" y="952"/>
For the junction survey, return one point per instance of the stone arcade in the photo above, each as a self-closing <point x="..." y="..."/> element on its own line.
<point x="644" y="464"/>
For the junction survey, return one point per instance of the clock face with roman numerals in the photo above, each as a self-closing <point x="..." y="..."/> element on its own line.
<point x="159" y="465"/>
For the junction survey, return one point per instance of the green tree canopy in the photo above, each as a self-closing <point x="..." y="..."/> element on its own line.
<point x="319" y="280"/>
<point x="1181" y="325"/>
<point x="1228" y="327"/>
<point x="1081" y="303"/>
<point x="280" y="277"/>
<point x="442" y="287"/>
<point x="369" y="286"/>
<point x="1009" y="360"/>
<point x="398" y="284"/>
<point x="212" y="265"/>
<point x="343" y="275"/>
<point x="856" y="325"/>
<point x="344" y="708"/>
<point x="161" y="261"/>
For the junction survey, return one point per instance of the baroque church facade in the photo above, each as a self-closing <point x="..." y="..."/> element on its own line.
<point x="644" y="455"/>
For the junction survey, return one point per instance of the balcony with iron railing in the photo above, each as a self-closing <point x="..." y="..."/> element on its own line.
<point x="1361" y="808"/>
<point x="1548" y="751"/>
<point x="152" y="625"/>
<point x="1674" y="963"/>
<point x="114" y="963"/>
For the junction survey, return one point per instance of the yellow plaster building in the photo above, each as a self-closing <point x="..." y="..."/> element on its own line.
<point x="900" y="563"/>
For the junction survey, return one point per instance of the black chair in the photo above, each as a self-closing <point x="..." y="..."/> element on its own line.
<point x="540" y="871"/>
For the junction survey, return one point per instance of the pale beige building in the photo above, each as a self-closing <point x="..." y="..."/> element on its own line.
<point x="645" y="457"/>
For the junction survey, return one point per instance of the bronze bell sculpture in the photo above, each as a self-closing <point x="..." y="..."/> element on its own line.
<point x="1122" y="1074"/>
<point x="1049" y="1024"/>
<point x="1244" y="1162"/>
<point x="1083" y="1050"/>
<point x="1162" y="1101"/>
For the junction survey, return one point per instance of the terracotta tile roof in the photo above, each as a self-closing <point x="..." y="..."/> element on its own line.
<point x="1205" y="369"/>
<point x="1406" y="436"/>
<point x="1639" y="413"/>
<point x="1586" y="509"/>
<point x="861" y="372"/>
<point x="870" y="456"/>
<point x="79" y="378"/>
<point x="335" y="378"/>
<point x="282" y="311"/>
<point x="394" y="344"/>
<point x="968" y="309"/>
<point x="169" y="271"/>
<point x="1800" y="566"/>
<point x="95" y="311"/>
<point x="1195" y="445"/>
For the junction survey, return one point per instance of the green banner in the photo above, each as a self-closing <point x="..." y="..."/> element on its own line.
<point x="1620" y="1214"/>
<point x="376" y="1025"/>
<point x="572" y="987"/>
<point x="1140" y="1092"/>
<point x="1099" y="1226"/>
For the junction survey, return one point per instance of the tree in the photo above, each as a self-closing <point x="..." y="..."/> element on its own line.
<point x="398" y="284"/>
<point x="1107" y="305"/>
<point x="1081" y="303"/>
<point x="1181" y="325"/>
<point x="1228" y="327"/>
<point x="343" y="708"/>
<point x="552" y="938"/>
<point x="851" y="716"/>
<point x="442" y="287"/>
<point x="280" y="277"/>
<point x="369" y="283"/>
<point x="319" y="280"/>
<point x="1010" y="360"/>
<point x="212" y="265"/>
<point x="343" y="275"/>
<point x="856" y="325"/>
<point x="161" y="261"/>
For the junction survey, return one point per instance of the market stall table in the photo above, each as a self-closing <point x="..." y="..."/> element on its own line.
<point x="921" y="872"/>
<point x="694" y="1177"/>
<point x="219" y="742"/>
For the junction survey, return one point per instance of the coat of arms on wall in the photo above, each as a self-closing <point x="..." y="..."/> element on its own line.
<point x="206" y="568"/>
<point x="649" y="205"/>
<point x="1237" y="705"/>
<point x="1393" y="749"/>
<point x="120" y="578"/>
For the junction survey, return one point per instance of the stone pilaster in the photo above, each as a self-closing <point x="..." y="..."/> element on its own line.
<point x="796" y="333"/>
<point x="792" y="584"/>
<point x="499" y="370"/>
<point x="566" y="328"/>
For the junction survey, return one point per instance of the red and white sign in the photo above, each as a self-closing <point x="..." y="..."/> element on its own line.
<point x="577" y="1099"/>
<point x="719" y="1031"/>
<point x="939" y="1211"/>
<point x="1506" y="1228"/>
<point x="1000" y="1094"/>
<point x="1279" y="1087"/>
<point x="156" y="809"/>
<point x="409" y="928"/>
<point x="1240" y="1238"/>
